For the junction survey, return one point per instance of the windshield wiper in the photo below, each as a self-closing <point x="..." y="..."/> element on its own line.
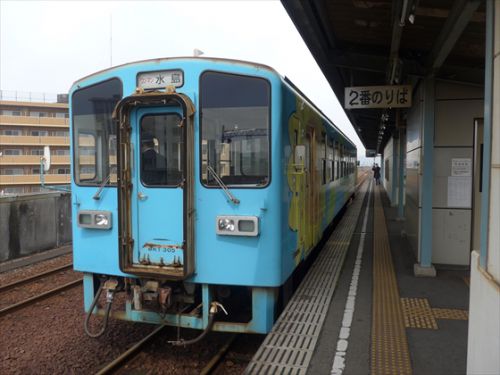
<point x="223" y="185"/>
<point x="97" y="194"/>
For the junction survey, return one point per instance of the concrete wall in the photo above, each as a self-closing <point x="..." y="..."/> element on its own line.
<point x="34" y="223"/>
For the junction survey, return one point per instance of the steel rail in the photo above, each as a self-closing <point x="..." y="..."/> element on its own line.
<point x="212" y="365"/>
<point x="113" y="365"/>
<point x="39" y="297"/>
<point x="40" y="275"/>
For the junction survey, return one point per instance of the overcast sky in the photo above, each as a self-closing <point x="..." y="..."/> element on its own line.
<point x="47" y="45"/>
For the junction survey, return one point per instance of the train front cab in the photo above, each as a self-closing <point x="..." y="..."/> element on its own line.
<point x="183" y="239"/>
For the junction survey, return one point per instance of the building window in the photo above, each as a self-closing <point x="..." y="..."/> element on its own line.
<point x="39" y="133"/>
<point x="12" y="151"/>
<point x="61" y="133"/>
<point x="12" y="171"/>
<point x="11" y="132"/>
<point x="63" y="171"/>
<point x="35" y="170"/>
<point x="61" y="152"/>
<point x="38" y="151"/>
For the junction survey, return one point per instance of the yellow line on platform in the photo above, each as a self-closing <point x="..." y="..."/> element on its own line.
<point x="389" y="345"/>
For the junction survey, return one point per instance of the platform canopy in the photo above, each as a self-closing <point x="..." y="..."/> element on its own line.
<point x="383" y="42"/>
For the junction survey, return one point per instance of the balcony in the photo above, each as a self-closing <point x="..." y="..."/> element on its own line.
<point x="34" y="179"/>
<point x="53" y="122"/>
<point x="21" y="140"/>
<point x="32" y="159"/>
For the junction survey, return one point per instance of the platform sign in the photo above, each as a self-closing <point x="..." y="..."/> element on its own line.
<point x="360" y="97"/>
<point x="461" y="167"/>
<point x="370" y="153"/>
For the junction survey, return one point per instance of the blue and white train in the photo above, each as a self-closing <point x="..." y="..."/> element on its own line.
<point x="199" y="185"/>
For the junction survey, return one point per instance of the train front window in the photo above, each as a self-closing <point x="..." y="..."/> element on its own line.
<point x="94" y="132"/>
<point x="161" y="150"/>
<point x="235" y="129"/>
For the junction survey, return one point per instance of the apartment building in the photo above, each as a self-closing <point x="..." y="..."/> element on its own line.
<point x="26" y="126"/>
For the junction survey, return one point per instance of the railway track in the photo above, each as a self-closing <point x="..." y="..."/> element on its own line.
<point x="127" y="356"/>
<point x="40" y="296"/>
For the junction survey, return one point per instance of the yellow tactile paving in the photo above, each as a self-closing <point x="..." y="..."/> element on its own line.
<point x="454" y="314"/>
<point x="389" y="346"/>
<point x="418" y="313"/>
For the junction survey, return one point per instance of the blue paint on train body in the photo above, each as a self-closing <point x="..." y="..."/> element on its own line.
<point x="261" y="263"/>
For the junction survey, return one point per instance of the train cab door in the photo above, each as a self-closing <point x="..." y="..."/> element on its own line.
<point x="159" y="181"/>
<point x="155" y="185"/>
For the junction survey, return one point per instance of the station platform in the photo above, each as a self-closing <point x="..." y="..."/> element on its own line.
<point x="361" y="310"/>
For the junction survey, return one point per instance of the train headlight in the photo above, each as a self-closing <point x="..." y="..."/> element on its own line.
<point x="226" y="224"/>
<point x="94" y="219"/>
<point x="237" y="225"/>
<point x="101" y="220"/>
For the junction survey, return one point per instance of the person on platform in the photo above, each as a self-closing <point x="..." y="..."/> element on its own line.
<point x="376" y="173"/>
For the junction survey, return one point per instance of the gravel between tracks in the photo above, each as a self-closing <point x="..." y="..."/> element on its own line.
<point x="161" y="358"/>
<point x="48" y="338"/>
<point x="31" y="270"/>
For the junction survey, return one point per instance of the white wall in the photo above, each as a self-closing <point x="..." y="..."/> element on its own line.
<point x="413" y="171"/>
<point x="484" y="307"/>
<point x="387" y="177"/>
<point x="457" y="107"/>
<point x="484" y="323"/>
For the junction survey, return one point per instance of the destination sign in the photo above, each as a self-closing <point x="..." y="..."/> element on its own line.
<point x="160" y="80"/>
<point x="377" y="97"/>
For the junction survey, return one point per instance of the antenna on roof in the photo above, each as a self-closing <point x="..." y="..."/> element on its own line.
<point x="197" y="52"/>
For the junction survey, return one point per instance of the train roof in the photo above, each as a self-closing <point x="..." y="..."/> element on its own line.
<point x="165" y="59"/>
<point x="284" y="79"/>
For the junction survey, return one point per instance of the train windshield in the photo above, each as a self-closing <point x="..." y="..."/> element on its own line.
<point x="235" y="119"/>
<point x="94" y="133"/>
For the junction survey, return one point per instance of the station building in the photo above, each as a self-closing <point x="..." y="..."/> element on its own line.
<point x="28" y="122"/>
<point x="440" y="150"/>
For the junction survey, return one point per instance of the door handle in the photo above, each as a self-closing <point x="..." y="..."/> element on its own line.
<point x="142" y="196"/>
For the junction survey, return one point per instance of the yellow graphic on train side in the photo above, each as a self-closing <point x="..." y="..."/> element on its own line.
<point x="307" y="202"/>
